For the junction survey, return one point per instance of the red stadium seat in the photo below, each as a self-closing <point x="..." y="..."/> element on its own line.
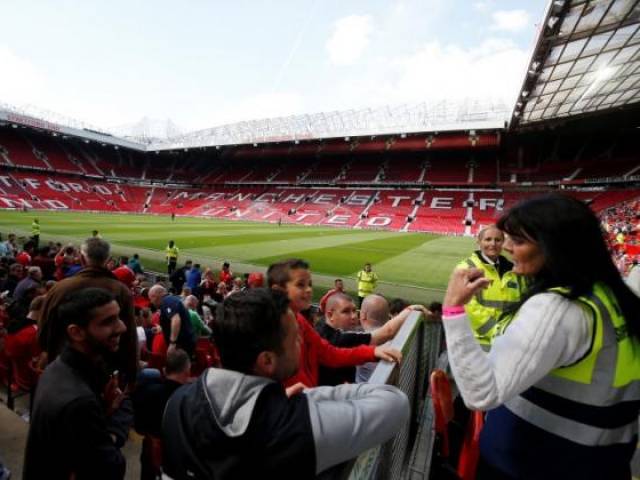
<point x="469" y="451"/>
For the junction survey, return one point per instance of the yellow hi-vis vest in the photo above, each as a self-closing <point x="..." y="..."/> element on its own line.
<point x="596" y="400"/>
<point x="485" y="308"/>
<point x="366" y="283"/>
<point x="35" y="229"/>
<point x="172" y="253"/>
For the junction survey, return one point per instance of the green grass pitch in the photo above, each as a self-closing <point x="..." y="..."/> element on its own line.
<point x="412" y="265"/>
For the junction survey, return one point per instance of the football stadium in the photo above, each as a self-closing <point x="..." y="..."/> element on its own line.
<point x="321" y="221"/>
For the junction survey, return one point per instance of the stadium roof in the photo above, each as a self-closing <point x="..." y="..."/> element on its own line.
<point x="423" y="117"/>
<point x="586" y="59"/>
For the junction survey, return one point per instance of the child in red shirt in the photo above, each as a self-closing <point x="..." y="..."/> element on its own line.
<point x="294" y="278"/>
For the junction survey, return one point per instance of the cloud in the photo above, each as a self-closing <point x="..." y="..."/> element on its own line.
<point x="21" y="82"/>
<point x="435" y="71"/>
<point x="349" y="39"/>
<point x="510" y="20"/>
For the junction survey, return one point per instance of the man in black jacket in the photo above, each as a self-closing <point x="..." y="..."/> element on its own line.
<point x="80" y="418"/>
<point x="240" y="422"/>
<point x="179" y="277"/>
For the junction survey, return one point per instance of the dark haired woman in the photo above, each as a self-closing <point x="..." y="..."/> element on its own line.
<point x="562" y="380"/>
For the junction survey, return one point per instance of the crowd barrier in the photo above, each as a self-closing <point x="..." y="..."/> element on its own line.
<point x="420" y="343"/>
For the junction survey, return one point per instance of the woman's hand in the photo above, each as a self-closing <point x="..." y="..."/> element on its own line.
<point x="464" y="284"/>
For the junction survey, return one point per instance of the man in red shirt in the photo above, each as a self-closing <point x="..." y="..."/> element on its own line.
<point x="293" y="277"/>
<point x="124" y="273"/>
<point x="226" y="275"/>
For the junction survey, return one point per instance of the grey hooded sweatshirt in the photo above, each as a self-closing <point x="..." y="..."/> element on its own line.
<point x="230" y="425"/>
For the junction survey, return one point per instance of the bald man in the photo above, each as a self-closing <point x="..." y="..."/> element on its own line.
<point x="375" y="319"/>
<point x="340" y="328"/>
<point x="174" y="319"/>
<point x="200" y="329"/>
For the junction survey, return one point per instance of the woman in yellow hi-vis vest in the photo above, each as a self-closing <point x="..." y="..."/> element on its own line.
<point x="506" y="287"/>
<point x="561" y="383"/>
<point x="367" y="281"/>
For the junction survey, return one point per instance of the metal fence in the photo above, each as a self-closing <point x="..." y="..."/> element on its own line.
<point x="420" y="343"/>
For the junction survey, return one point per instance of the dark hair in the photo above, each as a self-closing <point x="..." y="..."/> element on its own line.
<point x="96" y="250"/>
<point x="576" y="255"/>
<point x="278" y="273"/>
<point x="248" y="323"/>
<point x="75" y="307"/>
<point x="18" y="320"/>
<point x="435" y="307"/>
<point x="177" y="362"/>
<point x="397" y="305"/>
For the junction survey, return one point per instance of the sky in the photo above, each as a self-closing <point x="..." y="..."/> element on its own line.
<point x="203" y="63"/>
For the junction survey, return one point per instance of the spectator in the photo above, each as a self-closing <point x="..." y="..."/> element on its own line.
<point x="186" y="291"/>
<point x="25" y="256"/>
<point x="80" y="417"/>
<point x="152" y="392"/>
<point x="436" y="311"/>
<point x="45" y="262"/>
<point x="179" y="277"/>
<point x="237" y="285"/>
<point x="200" y="329"/>
<point x="367" y="281"/>
<point x="124" y="273"/>
<point x="135" y="265"/>
<point x="248" y="426"/>
<point x="16" y="274"/>
<point x="338" y="287"/>
<point x="255" y="280"/>
<point x="208" y="284"/>
<point x="560" y="379"/>
<point x="21" y="341"/>
<point x="149" y="400"/>
<point x="294" y="278"/>
<point x="94" y="254"/>
<point x="396" y="306"/>
<point x="226" y="275"/>
<point x="194" y="277"/>
<point x="32" y="280"/>
<point x="174" y="320"/>
<point x="9" y="248"/>
<point x="221" y="293"/>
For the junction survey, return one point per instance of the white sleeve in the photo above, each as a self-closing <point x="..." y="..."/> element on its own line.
<point x="349" y="419"/>
<point x="548" y="331"/>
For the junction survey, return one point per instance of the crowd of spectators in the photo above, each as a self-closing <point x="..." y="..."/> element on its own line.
<point x="115" y="343"/>
<point x="117" y="347"/>
<point x="622" y="224"/>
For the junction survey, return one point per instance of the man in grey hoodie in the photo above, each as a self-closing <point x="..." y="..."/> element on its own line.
<point x="240" y="422"/>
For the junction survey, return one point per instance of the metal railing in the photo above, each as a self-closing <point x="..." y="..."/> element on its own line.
<point x="420" y="343"/>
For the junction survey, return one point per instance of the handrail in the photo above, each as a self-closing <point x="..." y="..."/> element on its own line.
<point x="420" y="343"/>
